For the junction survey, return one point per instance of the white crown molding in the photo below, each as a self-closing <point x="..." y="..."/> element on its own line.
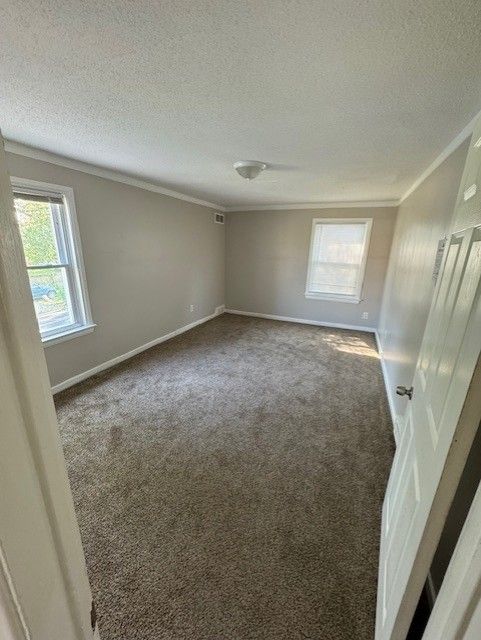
<point x="108" y="174"/>
<point x="454" y="144"/>
<point x="336" y="204"/>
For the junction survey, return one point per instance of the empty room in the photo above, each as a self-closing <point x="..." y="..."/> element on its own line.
<point x="240" y="320"/>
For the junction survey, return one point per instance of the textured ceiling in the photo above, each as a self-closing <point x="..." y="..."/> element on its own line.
<point x="345" y="99"/>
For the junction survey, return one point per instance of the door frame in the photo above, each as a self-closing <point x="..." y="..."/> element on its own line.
<point x="460" y="593"/>
<point x="31" y="460"/>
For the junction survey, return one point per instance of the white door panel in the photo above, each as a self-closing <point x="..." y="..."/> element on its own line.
<point x="439" y="317"/>
<point x="447" y="359"/>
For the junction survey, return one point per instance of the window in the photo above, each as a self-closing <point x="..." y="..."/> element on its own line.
<point x="48" y="228"/>
<point x="337" y="258"/>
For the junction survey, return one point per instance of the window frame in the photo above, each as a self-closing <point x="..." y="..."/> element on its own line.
<point x="336" y="297"/>
<point x="74" y="265"/>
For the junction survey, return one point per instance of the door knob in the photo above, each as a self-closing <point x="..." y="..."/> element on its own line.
<point x="403" y="391"/>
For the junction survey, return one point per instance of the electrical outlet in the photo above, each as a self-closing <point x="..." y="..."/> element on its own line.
<point x="365" y="315"/>
<point x="191" y="308"/>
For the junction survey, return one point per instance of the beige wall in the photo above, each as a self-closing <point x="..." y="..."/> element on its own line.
<point x="266" y="264"/>
<point x="147" y="258"/>
<point x="422" y="220"/>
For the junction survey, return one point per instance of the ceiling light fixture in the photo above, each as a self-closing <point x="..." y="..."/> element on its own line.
<point x="249" y="169"/>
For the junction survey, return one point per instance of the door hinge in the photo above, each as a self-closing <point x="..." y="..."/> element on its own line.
<point x="93" y="616"/>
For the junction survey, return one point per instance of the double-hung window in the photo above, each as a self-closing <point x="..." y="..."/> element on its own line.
<point x="337" y="258"/>
<point x="51" y="244"/>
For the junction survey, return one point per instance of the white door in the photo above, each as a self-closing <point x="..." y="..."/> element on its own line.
<point x="426" y="467"/>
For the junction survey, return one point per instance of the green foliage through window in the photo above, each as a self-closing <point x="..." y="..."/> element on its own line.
<point x="36" y="229"/>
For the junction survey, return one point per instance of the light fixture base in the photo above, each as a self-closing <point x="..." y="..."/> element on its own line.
<point x="249" y="169"/>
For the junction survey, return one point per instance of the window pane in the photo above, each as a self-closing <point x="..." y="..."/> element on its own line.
<point x="339" y="243"/>
<point x="333" y="278"/>
<point x="35" y="220"/>
<point x="336" y="258"/>
<point x="51" y="298"/>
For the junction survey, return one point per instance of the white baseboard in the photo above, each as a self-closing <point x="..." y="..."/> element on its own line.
<point x="316" y="323"/>
<point x="125" y="356"/>
<point x="389" y="389"/>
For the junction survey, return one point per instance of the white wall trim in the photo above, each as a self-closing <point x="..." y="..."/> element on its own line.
<point x="68" y="335"/>
<point x="454" y="144"/>
<point x="125" y="356"/>
<point x="316" y="323"/>
<point x="336" y="204"/>
<point x="389" y="388"/>
<point x="100" y="172"/>
<point x="110" y="174"/>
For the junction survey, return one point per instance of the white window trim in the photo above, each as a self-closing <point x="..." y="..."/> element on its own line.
<point x="356" y="297"/>
<point x="87" y="325"/>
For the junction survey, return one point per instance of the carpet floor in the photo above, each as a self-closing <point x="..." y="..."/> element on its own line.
<point x="228" y="484"/>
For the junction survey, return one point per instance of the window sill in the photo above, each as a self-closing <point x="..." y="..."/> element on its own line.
<point x="332" y="298"/>
<point x="68" y="335"/>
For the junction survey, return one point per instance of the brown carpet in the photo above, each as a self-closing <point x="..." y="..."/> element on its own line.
<point x="229" y="482"/>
